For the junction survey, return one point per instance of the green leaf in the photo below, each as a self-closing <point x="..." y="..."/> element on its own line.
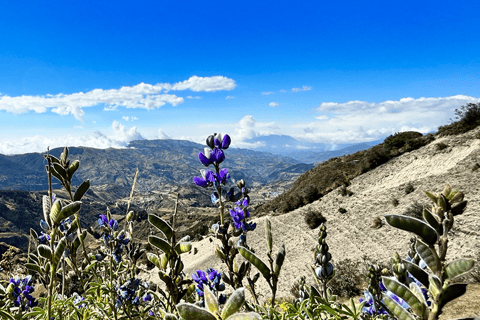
<point x="45" y="251"/>
<point x="403" y="292"/>
<point x="46" y="210"/>
<point x="153" y="258"/>
<point x="234" y="303"/>
<point x="446" y="191"/>
<point x="458" y="208"/>
<point x="169" y="316"/>
<point x="397" y="309"/>
<point x="59" y="252"/>
<point x="417" y="291"/>
<point x="420" y="228"/>
<point x="191" y="312"/>
<point x="77" y="241"/>
<point x="452" y="292"/>
<point x="432" y="221"/>
<point x="161" y="224"/>
<point x="72" y="168"/>
<point x="6" y="315"/>
<point x="54" y="173"/>
<point x="81" y="190"/>
<point x="245" y="316"/>
<point x="431" y="196"/>
<point x="268" y="234"/>
<point x="34" y="267"/>
<point x="60" y="170"/>
<point x="163" y="276"/>
<point x="435" y="287"/>
<point x="257" y="262"/>
<point x="33" y="234"/>
<point x="64" y="155"/>
<point x="183" y="247"/>
<point x="417" y="272"/>
<point x="458" y="267"/>
<point x="160" y="244"/>
<point x="65" y="212"/>
<point x="279" y="260"/>
<point x="91" y="265"/>
<point x="211" y="302"/>
<point x="429" y="256"/>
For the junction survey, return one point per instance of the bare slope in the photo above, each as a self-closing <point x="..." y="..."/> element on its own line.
<point x="350" y="234"/>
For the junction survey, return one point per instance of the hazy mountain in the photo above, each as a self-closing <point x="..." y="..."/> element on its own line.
<point x="304" y="151"/>
<point x="159" y="161"/>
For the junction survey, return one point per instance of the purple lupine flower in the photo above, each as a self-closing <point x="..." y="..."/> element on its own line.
<point x="199" y="276"/>
<point x="103" y="220"/>
<point x="21" y="291"/>
<point x="207" y="179"/>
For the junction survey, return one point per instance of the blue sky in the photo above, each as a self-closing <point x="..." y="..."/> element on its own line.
<point x="101" y="74"/>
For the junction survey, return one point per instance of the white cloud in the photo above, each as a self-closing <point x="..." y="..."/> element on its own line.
<point x="304" y="88"/>
<point x="194" y="97"/>
<point x="119" y="137"/>
<point x="267" y="93"/>
<point x="322" y="117"/>
<point x="229" y="97"/>
<point x="161" y="135"/>
<point x="245" y="128"/>
<point x="127" y="118"/>
<point x="357" y="121"/>
<point x="274" y="104"/>
<point x="282" y="90"/>
<point x="208" y="84"/>
<point x="142" y="95"/>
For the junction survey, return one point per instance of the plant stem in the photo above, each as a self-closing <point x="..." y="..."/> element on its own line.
<point x="52" y="275"/>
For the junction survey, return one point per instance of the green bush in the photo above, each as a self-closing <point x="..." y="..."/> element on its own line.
<point x="467" y="118"/>
<point x="314" y="218"/>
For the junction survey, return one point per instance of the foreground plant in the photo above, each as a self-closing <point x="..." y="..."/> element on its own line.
<point x="271" y="274"/>
<point x="169" y="263"/>
<point x="431" y="246"/>
<point x="225" y="230"/>
<point x="212" y="311"/>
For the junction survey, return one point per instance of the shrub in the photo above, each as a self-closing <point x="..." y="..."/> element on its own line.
<point x="377" y="223"/>
<point x="475" y="167"/>
<point x="415" y="210"/>
<point x="314" y="218"/>
<point x="468" y="118"/>
<point x="343" y="191"/>
<point x="400" y="139"/>
<point x="409" y="188"/>
<point x="348" y="280"/>
<point x="395" y="202"/>
<point x="342" y="210"/>
<point x="440" y="146"/>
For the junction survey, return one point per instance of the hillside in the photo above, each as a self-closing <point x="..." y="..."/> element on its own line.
<point x="335" y="172"/>
<point x="159" y="162"/>
<point x="450" y="159"/>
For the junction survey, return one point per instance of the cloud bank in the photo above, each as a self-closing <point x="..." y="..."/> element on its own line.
<point x="143" y="95"/>
<point x="357" y="121"/>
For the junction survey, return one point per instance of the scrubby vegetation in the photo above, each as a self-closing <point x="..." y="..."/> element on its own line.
<point x="467" y="118"/>
<point x="327" y="176"/>
<point x="82" y="283"/>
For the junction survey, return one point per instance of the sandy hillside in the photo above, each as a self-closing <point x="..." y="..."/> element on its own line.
<point x="350" y="234"/>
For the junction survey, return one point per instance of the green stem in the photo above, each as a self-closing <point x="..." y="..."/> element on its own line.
<point x="52" y="274"/>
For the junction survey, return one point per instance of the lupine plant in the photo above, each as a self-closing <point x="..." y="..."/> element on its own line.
<point x="431" y="246"/>
<point x="169" y="263"/>
<point x="323" y="268"/>
<point x="271" y="274"/>
<point x="224" y="230"/>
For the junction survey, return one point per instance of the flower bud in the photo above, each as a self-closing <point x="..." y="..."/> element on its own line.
<point x="241" y="184"/>
<point x="130" y="216"/>
<point x="210" y="141"/>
